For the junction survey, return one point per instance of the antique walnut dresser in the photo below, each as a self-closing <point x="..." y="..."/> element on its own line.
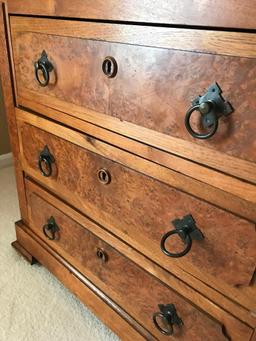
<point x="133" y="128"/>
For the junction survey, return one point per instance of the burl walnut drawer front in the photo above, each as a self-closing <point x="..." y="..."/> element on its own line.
<point x="168" y="225"/>
<point x="150" y="92"/>
<point x="126" y="283"/>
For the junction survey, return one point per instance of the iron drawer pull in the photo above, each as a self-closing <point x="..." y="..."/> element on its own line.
<point x="45" y="66"/>
<point x="187" y="230"/>
<point x="211" y="106"/>
<point x="109" y="67"/>
<point x="45" y="162"/>
<point x="50" y="229"/>
<point x="169" y="318"/>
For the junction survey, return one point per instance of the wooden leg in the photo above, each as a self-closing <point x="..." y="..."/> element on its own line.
<point x="19" y="248"/>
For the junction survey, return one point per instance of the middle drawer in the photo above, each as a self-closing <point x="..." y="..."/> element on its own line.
<point x="204" y="240"/>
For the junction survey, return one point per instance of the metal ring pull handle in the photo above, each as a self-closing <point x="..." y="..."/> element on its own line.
<point x="45" y="162"/>
<point x="186" y="238"/>
<point x="209" y="121"/>
<point x="50" y="229"/>
<point x="211" y="106"/>
<point x="169" y="317"/>
<point x="44" y="66"/>
<point x="109" y="67"/>
<point x="187" y="230"/>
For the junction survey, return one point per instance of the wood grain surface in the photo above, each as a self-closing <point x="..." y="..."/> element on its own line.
<point x="228" y="43"/>
<point x="153" y="88"/>
<point x="147" y="208"/>
<point x="118" y="273"/>
<point x="198" y="12"/>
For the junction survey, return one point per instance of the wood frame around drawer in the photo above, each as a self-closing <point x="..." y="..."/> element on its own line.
<point x="201" y="13"/>
<point x="223" y="312"/>
<point x="213" y="42"/>
<point x="141" y="165"/>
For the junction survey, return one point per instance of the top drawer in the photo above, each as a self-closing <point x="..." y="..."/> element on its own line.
<point x="121" y="84"/>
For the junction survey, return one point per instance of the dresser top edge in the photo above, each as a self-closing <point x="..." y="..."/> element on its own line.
<point x="229" y="14"/>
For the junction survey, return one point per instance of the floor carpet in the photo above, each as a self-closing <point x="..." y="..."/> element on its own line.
<point x="34" y="305"/>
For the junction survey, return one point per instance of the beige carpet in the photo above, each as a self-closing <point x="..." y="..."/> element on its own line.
<point x="34" y="305"/>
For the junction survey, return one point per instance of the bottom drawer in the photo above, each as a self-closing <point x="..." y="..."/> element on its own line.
<point x="157" y="307"/>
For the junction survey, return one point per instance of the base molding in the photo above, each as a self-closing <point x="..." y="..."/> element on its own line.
<point x="6" y="160"/>
<point x="20" y="249"/>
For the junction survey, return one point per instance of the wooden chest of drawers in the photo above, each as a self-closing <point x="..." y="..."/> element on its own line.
<point x="134" y="136"/>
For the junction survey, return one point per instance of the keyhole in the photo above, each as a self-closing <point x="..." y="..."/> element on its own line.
<point x="109" y="67"/>
<point x="102" y="255"/>
<point x="104" y="176"/>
